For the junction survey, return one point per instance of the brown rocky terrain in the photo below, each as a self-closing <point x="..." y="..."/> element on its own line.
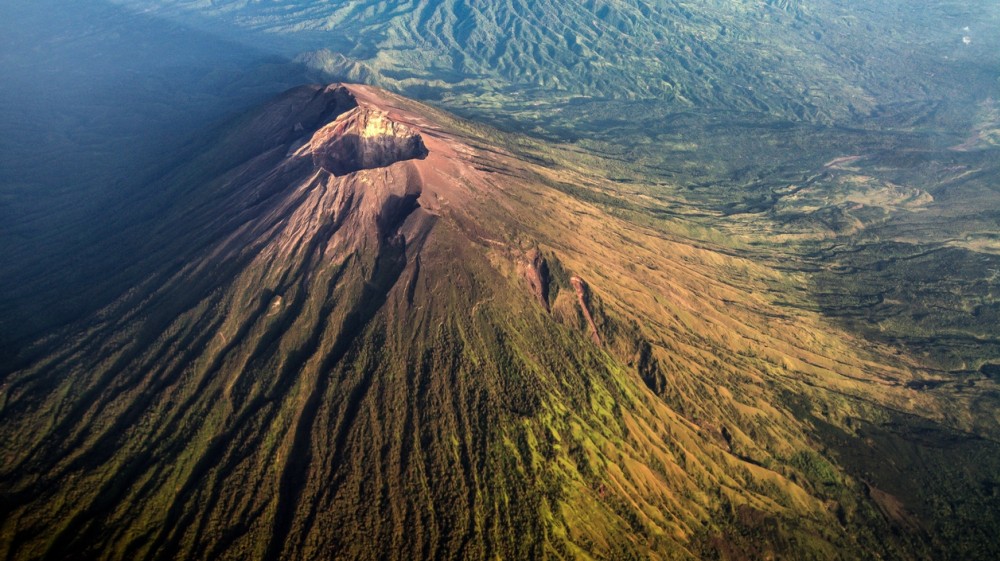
<point x="360" y="330"/>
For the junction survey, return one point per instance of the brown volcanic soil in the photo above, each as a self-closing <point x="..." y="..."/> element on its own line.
<point x="339" y="344"/>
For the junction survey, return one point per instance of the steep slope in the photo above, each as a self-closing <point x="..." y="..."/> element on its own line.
<point x="379" y="332"/>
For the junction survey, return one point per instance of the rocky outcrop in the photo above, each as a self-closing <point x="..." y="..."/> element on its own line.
<point x="535" y="271"/>
<point x="583" y="296"/>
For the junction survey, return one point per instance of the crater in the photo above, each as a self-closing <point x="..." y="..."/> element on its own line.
<point x="365" y="138"/>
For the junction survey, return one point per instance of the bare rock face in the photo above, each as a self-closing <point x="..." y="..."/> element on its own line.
<point x="535" y="271"/>
<point x="364" y="138"/>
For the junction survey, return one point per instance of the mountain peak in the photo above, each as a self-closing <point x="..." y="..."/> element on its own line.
<point x="366" y="302"/>
<point x="364" y="137"/>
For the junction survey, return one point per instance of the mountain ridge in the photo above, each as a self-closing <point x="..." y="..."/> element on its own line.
<point x="780" y="58"/>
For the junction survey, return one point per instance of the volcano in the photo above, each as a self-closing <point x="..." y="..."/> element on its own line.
<point x="362" y="328"/>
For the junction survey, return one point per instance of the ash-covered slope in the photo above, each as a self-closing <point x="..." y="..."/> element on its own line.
<point x="363" y="329"/>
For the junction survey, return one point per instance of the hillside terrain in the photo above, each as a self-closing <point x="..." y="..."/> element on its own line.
<point x="361" y="327"/>
<point x="804" y="60"/>
<point x="633" y="279"/>
<point x="720" y="112"/>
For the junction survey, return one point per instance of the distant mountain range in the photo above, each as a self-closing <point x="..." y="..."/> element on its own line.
<point x="814" y="60"/>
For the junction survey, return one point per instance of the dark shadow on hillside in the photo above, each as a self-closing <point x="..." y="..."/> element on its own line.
<point x="98" y="103"/>
<point x="352" y="152"/>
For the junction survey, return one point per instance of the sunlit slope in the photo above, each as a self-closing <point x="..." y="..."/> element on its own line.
<point x="817" y="59"/>
<point x="382" y="333"/>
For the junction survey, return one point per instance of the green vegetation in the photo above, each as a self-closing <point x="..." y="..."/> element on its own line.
<point x="784" y="215"/>
<point x="800" y="60"/>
